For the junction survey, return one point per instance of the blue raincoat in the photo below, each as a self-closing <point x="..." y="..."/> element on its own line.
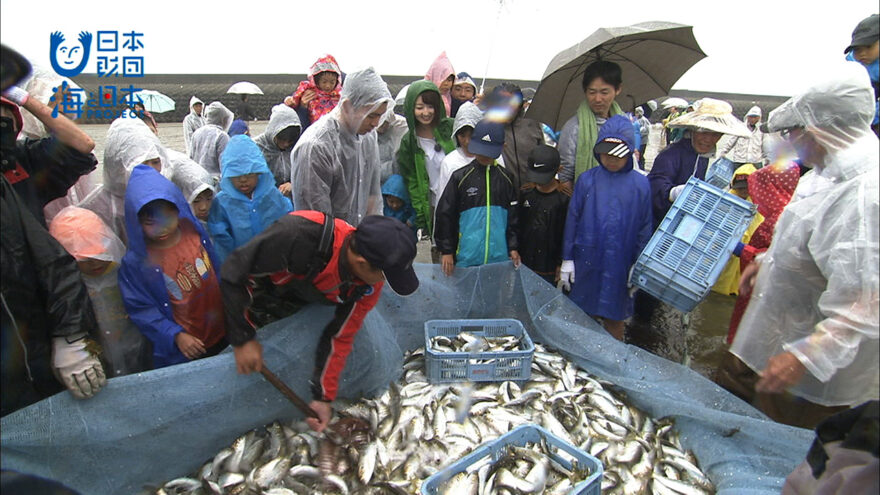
<point x="234" y="218"/>
<point x="142" y="283"/>
<point x="394" y="186"/>
<point x="608" y="225"/>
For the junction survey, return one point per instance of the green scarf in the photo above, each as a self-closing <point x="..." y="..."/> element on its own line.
<point x="587" y="133"/>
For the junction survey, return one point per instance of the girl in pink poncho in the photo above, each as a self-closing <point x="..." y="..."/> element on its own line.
<point x="442" y="74"/>
<point x="320" y="93"/>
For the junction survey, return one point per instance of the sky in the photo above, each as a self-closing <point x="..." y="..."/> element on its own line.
<point x="753" y="46"/>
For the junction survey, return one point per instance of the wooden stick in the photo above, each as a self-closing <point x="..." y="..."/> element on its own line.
<point x="287" y="392"/>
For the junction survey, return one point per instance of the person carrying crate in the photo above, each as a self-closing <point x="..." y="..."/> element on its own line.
<point x="812" y="325"/>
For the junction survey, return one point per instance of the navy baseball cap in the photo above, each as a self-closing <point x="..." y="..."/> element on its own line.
<point x="389" y="245"/>
<point x="867" y="31"/>
<point x="487" y="139"/>
<point x="543" y="164"/>
<point x="612" y="146"/>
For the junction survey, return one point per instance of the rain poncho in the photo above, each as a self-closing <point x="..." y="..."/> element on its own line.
<point x="753" y="149"/>
<point x="608" y="225"/>
<point x="770" y="189"/>
<point x="325" y="101"/>
<point x="235" y="218"/>
<point x="394" y="186"/>
<point x="209" y="141"/>
<point x="85" y="236"/>
<point x="440" y="71"/>
<point x="190" y="177"/>
<point x="468" y="116"/>
<point x="277" y="159"/>
<point x="413" y="161"/>
<point x="389" y="142"/>
<point x="335" y="170"/>
<point x="816" y="294"/>
<point x="672" y="167"/>
<point x="142" y="283"/>
<point x="129" y="143"/>
<point x="192" y="122"/>
<point x="728" y="280"/>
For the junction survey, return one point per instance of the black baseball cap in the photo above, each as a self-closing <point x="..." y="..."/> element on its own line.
<point x="612" y="146"/>
<point x="389" y="245"/>
<point x="543" y="164"/>
<point x="866" y="32"/>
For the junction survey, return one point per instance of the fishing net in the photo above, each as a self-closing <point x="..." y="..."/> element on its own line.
<point x="147" y="428"/>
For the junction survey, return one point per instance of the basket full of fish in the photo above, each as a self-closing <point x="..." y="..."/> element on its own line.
<point x="528" y="459"/>
<point x="477" y="350"/>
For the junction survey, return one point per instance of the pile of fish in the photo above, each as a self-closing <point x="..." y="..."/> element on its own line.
<point x="391" y="444"/>
<point x="469" y="342"/>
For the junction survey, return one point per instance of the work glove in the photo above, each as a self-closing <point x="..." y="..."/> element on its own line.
<point x="629" y="285"/>
<point x="738" y="249"/>
<point x="566" y="274"/>
<point x="16" y="95"/>
<point x="675" y="192"/>
<point x="77" y="367"/>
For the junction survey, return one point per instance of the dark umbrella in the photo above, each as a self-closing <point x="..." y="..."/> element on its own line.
<point x="652" y="55"/>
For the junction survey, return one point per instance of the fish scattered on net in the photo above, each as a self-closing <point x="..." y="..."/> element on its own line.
<point x="392" y="443"/>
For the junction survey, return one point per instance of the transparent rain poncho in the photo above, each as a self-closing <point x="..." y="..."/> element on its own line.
<point x="85" y="236"/>
<point x="816" y="293"/>
<point x="334" y="169"/>
<point x="278" y="160"/>
<point x="209" y="141"/>
<point x="189" y="176"/>
<point x="192" y="122"/>
<point x="389" y="137"/>
<point x="129" y="143"/>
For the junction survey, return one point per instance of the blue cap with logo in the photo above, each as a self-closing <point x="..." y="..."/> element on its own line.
<point x="487" y="139"/>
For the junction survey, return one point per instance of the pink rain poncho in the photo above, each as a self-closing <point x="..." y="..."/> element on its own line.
<point x="439" y="71"/>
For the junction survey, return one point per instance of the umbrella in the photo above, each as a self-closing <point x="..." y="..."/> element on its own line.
<point x="154" y="101"/>
<point x="245" y="88"/>
<point x="653" y="56"/>
<point x="675" y="102"/>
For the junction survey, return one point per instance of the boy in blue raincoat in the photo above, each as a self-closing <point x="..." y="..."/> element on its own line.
<point x="169" y="278"/>
<point x="248" y="201"/>
<point x="608" y="225"/>
<point x="397" y="203"/>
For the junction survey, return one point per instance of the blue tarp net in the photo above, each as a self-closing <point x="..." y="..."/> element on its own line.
<point x="146" y="428"/>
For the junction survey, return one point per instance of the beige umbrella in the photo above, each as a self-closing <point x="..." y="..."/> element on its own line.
<point x="652" y="55"/>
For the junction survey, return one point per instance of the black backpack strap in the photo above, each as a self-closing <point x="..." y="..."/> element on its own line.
<point x="325" y="249"/>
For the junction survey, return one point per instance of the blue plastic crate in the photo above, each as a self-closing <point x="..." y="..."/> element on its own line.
<point x="520" y="436"/>
<point x="445" y="367"/>
<point x="720" y="173"/>
<point x="688" y="251"/>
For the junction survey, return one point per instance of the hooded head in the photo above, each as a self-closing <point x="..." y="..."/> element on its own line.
<point x="85" y="236"/>
<point x="616" y="138"/>
<point x="219" y="115"/>
<point x="464" y="89"/>
<point x="192" y="106"/>
<point x="327" y="63"/>
<point x="189" y="176"/>
<point x="440" y="72"/>
<point x="395" y="186"/>
<point x="412" y="94"/>
<point x="753" y="116"/>
<point x="130" y="143"/>
<point x="829" y="117"/>
<point x="237" y="127"/>
<point x="468" y="116"/>
<point x="364" y="100"/>
<point x="243" y="157"/>
<point x="144" y="186"/>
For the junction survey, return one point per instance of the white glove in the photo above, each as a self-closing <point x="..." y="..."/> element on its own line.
<point x="16" y="95"/>
<point x="675" y="192"/>
<point x="629" y="285"/>
<point x="566" y="274"/>
<point x="77" y="367"/>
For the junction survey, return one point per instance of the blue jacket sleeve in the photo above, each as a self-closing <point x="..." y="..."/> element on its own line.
<point x="572" y="220"/>
<point x="661" y="178"/>
<point x="146" y="315"/>
<point x="220" y="229"/>
<point x="646" y="224"/>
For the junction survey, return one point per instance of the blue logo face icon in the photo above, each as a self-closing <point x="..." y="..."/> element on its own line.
<point x="69" y="59"/>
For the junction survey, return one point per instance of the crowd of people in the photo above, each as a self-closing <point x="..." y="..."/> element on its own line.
<point x="181" y="253"/>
